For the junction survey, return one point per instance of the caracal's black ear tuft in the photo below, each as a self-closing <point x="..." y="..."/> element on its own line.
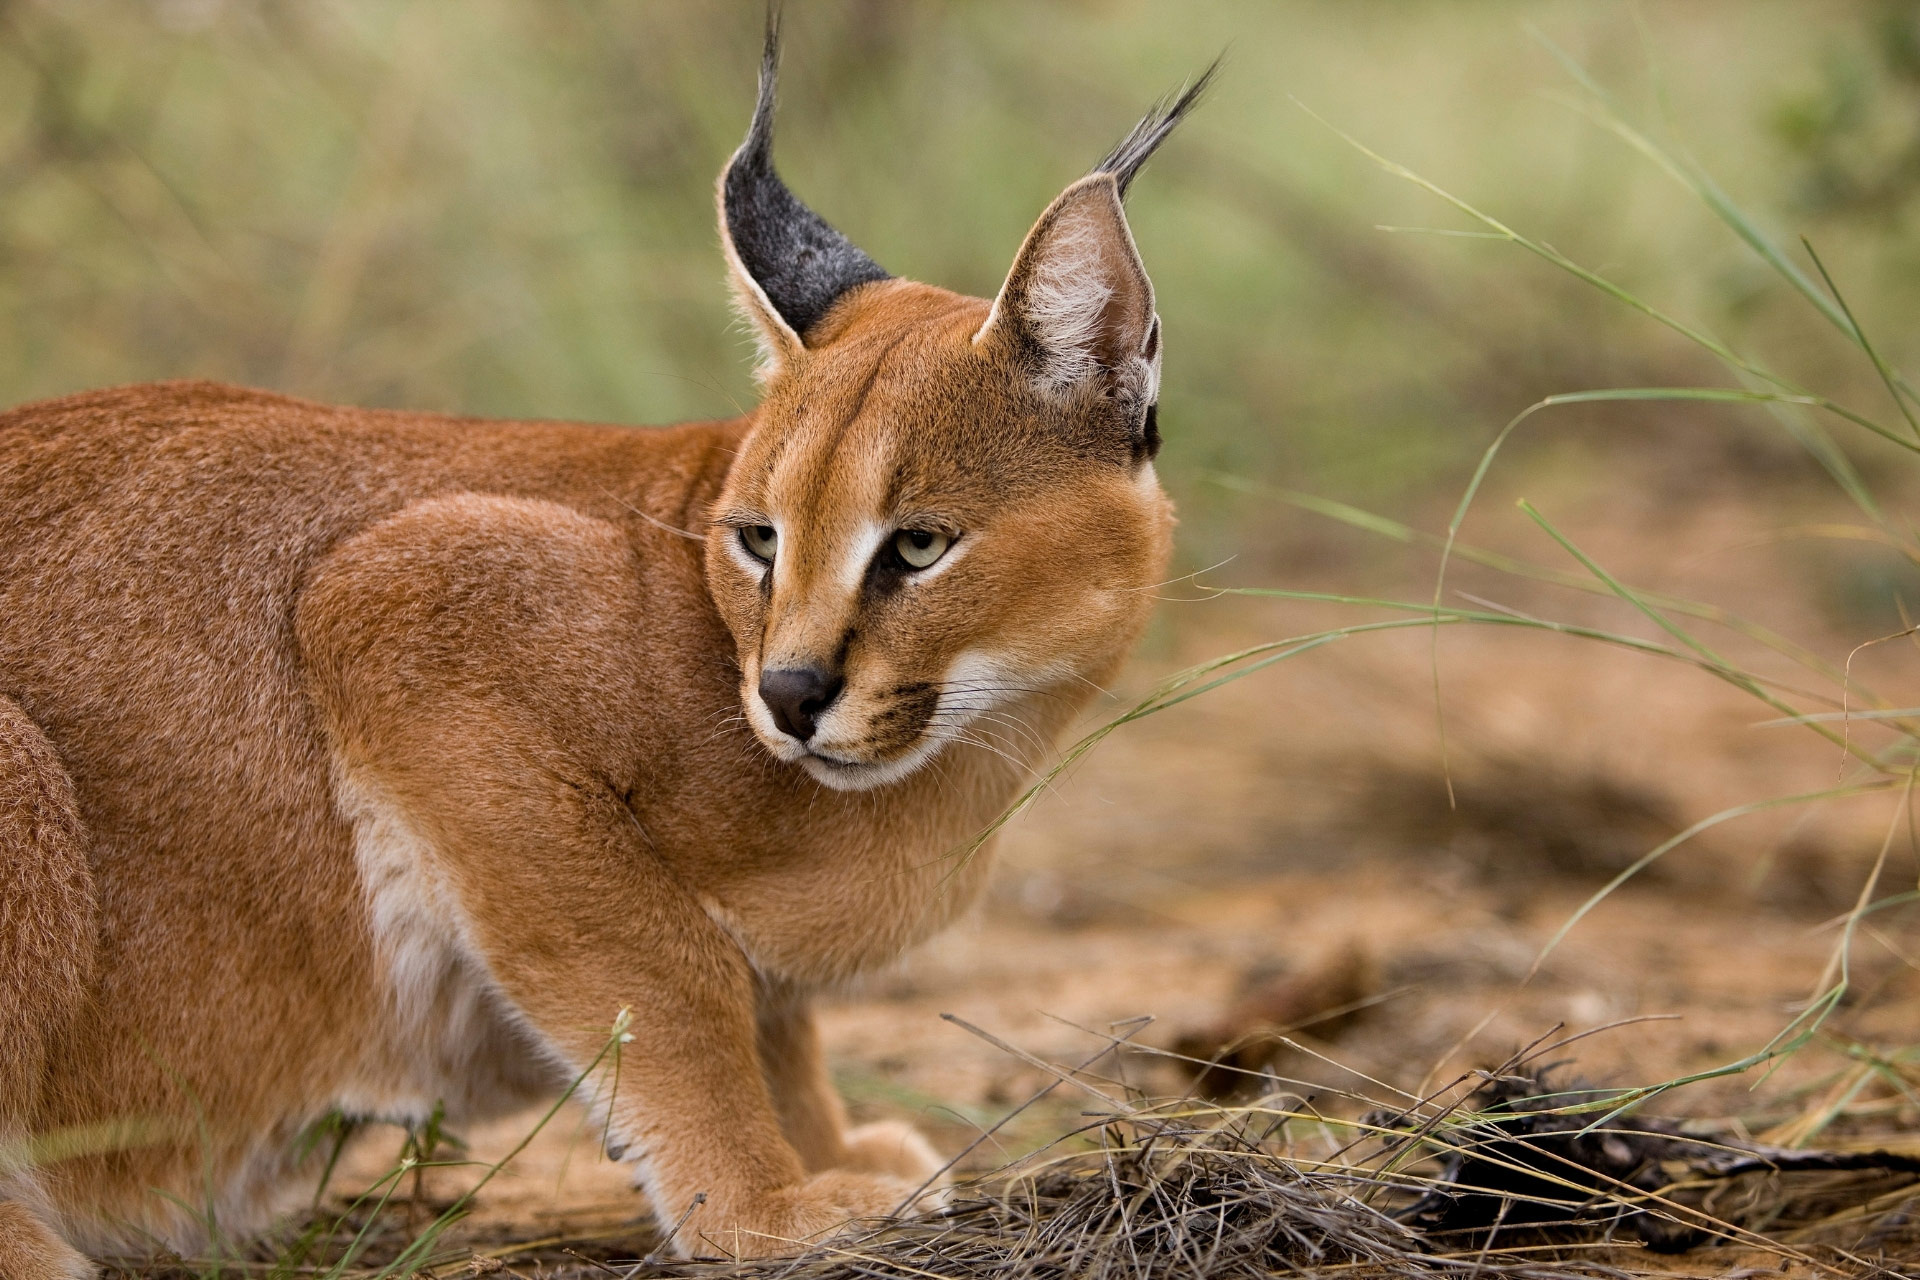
<point x="789" y="267"/>
<point x="1125" y="161"/>
<point x="1077" y="308"/>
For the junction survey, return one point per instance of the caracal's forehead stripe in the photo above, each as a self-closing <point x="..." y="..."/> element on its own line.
<point x="831" y="486"/>
<point x="825" y="422"/>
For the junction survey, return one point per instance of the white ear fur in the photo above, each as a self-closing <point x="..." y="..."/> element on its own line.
<point x="1066" y="297"/>
<point x="1079" y="294"/>
<point x="1150" y="362"/>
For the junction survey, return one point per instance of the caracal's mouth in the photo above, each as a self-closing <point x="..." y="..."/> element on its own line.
<point x="831" y="769"/>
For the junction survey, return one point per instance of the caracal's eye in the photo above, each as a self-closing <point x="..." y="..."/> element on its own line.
<point x="761" y="541"/>
<point x="920" y="547"/>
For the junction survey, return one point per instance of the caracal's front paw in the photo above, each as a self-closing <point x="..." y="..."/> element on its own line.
<point x="895" y="1148"/>
<point x="793" y="1220"/>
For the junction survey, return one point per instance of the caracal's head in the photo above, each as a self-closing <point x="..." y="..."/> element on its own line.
<point x="944" y="525"/>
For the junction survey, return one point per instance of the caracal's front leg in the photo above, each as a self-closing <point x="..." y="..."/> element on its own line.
<point x="809" y="1107"/>
<point x="576" y="923"/>
<point x="471" y="659"/>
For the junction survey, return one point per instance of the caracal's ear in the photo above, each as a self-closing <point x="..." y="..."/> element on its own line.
<point x="788" y="266"/>
<point x="1077" y="307"/>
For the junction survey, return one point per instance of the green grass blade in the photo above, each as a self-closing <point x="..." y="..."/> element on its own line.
<point x="414" y="1255"/>
<point x="1583" y="583"/>
<point x="1699" y="337"/>
<point x="1728" y="671"/>
<point x="1880" y="366"/>
<point x="1667" y="846"/>
<point x="1448" y="616"/>
<point x="1602" y="108"/>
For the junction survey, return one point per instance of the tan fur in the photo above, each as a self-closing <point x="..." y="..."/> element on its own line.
<point x="366" y="760"/>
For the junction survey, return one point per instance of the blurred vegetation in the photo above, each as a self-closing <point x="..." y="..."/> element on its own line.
<point x="505" y="208"/>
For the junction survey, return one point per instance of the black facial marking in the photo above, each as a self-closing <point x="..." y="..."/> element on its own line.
<point x="1150" y="433"/>
<point x="886" y="571"/>
<point x="905" y="719"/>
<point x="800" y="263"/>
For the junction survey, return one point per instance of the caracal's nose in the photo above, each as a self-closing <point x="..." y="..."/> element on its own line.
<point x="798" y="696"/>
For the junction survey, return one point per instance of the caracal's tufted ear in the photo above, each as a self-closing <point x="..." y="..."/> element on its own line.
<point x="1078" y="302"/>
<point x="788" y="266"/>
<point x="1078" y="306"/>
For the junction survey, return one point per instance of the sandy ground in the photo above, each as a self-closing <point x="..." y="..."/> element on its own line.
<point x="1277" y="824"/>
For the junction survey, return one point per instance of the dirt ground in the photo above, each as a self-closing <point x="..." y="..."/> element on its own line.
<point x="1260" y="834"/>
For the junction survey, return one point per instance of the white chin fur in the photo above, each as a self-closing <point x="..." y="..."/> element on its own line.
<point x="865" y="777"/>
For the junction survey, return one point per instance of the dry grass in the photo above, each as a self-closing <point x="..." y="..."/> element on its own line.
<point x="1498" y="1173"/>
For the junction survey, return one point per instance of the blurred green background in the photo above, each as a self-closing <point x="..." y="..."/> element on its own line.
<point x="505" y="208"/>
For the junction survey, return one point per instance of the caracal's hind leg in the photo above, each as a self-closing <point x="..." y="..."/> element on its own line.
<point x="47" y="962"/>
<point x="31" y="1250"/>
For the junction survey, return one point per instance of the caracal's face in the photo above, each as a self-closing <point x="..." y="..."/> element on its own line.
<point x="917" y="544"/>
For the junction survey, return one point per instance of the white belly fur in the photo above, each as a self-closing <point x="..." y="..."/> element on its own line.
<point x="454" y="1039"/>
